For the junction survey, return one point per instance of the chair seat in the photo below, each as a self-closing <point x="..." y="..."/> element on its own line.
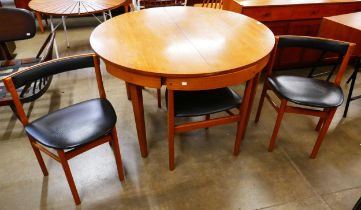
<point x="196" y="103"/>
<point x="75" y="125"/>
<point x="307" y="91"/>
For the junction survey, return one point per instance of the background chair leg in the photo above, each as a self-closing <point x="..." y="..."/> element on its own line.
<point x="322" y="133"/>
<point x="353" y="80"/>
<point x="159" y="98"/>
<point x="281" y="112"/>
<point x="261" y="101"/>
<point x="40" y="160"/>
<point x="118" y="157"/>
<point x="69" y="177"/>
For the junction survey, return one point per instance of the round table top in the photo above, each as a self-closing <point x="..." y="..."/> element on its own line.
<point x="182" y="41"/>
<point x="73" y="7"/>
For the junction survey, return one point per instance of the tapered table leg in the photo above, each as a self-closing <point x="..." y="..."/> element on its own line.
<point x="138" y="109"/>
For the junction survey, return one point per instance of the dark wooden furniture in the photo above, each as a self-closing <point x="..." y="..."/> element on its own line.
<point x="72" y="130"/>
<point x="184" y="48"/>
<point x="19" y="24"/>
<point x="347" y="28"/>
<point x="308" y="96"/>
<point x="296" y="17"/>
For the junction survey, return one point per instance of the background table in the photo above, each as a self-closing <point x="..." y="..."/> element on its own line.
<point x="346" y="28"/>
<point x="64" y="8"/>
<point x="183" y="47"/>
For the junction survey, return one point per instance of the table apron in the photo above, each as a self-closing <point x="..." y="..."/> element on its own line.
<point x="189" y="83"/>
<point x="133" y="78"/>
<point x="217" y="81"/>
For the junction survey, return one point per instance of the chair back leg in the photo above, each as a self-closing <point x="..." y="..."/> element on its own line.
<point x="69" y="176"/>
<point x="261" y="101"/>
<point x="323" y="132"/>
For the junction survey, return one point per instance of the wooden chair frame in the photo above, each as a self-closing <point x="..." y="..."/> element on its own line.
<point x="63" y="156"/>
<point x="325" y="115"/>
<point x="251" y="78"/>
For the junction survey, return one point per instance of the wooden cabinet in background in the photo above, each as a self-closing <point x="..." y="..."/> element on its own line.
<point x="296" y="17"/>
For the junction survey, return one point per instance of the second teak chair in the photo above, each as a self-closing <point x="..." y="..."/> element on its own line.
<point x="306" y="95"/>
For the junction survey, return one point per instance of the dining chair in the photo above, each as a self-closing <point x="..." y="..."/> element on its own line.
<point x="306" y="95"/>
<point x="352" y="79"/>
<point x="72" y="130"/>
<point x="198" y="98"/>
<point x="19" y="24"/>
<point x="215" y="4"/>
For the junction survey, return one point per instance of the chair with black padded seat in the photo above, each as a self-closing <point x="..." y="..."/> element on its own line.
<point x="19" y="24"/>
<point x="309" y="96"/>
<point x="76" y="128"/>
<point x="192" y="101"/>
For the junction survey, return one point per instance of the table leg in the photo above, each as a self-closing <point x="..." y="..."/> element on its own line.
<point x="138" y="109"/>
<point x="110" y="14"/>
<point x="253" y="94"/>
<point x="38" y="17"/>
<point x="242" y="125"/>
<point x="53" y="30"/>
<point x="66" y="31"/>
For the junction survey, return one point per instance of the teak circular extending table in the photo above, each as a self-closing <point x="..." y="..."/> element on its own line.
<point x="65" y="8"/>
<point x="184" y="48"/>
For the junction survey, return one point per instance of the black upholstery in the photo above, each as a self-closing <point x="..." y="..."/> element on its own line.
<point x="307" y="91"/>
<point x="16" y="24"/>
<point x="313" y="43"/>
<point x="75" y="125"/>
<point x="51" y="68"/>
<point x="197" y="103"/>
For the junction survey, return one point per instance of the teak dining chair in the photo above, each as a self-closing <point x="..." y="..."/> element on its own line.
<point x="203" y="100"/>
<point x="310" y="96"/>
<point x="19" y="24"/>
<point x="76" y="128"/>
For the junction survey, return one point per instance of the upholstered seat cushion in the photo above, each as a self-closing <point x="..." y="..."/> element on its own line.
<point x="307" y="91"/>
<point x="196" y="103"/>
<point x="75" y="125"/>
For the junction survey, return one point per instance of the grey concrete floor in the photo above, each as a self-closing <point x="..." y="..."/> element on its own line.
<point x="207" y="175"/>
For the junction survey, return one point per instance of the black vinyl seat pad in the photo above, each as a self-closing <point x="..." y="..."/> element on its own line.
<point x="5" y="71"/>
<point x="75" y="125"/>
<point x="307" y="91"/>
<point x="197" y="103"/>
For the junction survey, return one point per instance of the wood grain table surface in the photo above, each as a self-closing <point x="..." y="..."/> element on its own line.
<point x="184" y="48"/>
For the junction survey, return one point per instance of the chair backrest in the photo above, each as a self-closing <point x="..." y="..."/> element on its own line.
<point x="49" y="68"/>
<point x="324" y="52"/>
<point x="161" y="3"/>
<point x="216" y="4"/>
<point x="16" y="24"/>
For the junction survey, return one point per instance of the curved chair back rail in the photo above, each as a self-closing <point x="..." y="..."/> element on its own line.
<point x="51" y="68"/>
<point x="76" y="128"/>
<point x="313" y="43"/>
<point x="323" y="47"/>
<point x="16" y="24"/>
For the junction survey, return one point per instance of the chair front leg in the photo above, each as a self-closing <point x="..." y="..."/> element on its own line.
<point x="118" y="158"/>
<point x="69" y="176"/>
<point x="281" y="112"/>
<point x="323" y="132"/>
